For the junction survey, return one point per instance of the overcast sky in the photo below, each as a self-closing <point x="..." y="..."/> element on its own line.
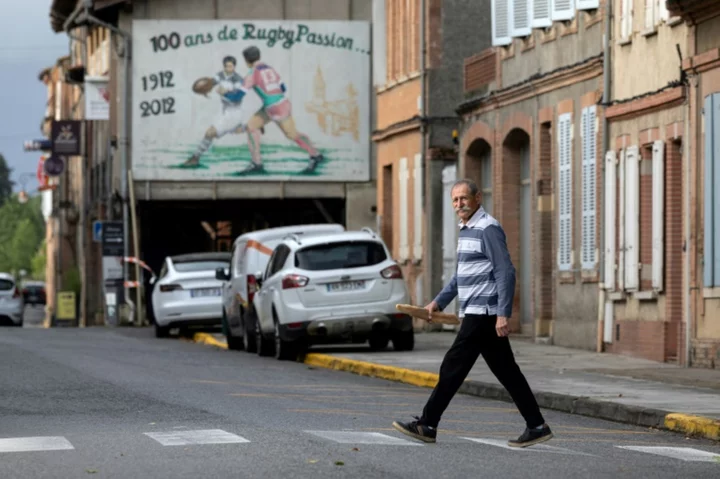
<point x="27" y="45"/>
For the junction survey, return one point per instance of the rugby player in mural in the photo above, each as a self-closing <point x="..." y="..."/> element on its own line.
<point x="230" y="120"/>
<point x="267" y="83"/>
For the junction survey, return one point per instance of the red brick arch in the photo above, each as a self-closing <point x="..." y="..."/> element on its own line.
<point x="479" y="130"/>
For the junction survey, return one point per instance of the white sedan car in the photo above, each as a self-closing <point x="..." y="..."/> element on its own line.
<point x="12" y="304"/>
<point x="186" y="293"/>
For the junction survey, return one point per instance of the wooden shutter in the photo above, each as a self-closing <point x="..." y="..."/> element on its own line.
<point x="658" y="213"/>
<point x="403" y="203"/>
<point x="588" y="4"/>
<point x="610" y="218"/>
<point x="541" y="14"/>
<point x="520" y="18"/>
<point x="565" y="192"/>
<point x="632" y="218"/>
<point x="589" y="193"/>
<point x="563" y="10"/>
<point x="417" y="208"/>
<point x="501" y="13"/>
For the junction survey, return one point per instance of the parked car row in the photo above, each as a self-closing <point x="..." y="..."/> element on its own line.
<point x="282" y="290"/>
<point x="12" y="303"/>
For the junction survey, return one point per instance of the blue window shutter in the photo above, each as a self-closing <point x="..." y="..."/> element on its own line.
<point x="715" y="192"/>
<point x="708" y="231"/>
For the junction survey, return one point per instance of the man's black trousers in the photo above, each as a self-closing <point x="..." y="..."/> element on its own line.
<point x="477" y="336"/>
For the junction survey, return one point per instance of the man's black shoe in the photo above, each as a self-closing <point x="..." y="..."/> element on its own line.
<point x="531" y="437"/>
<point x="416" y="430"/>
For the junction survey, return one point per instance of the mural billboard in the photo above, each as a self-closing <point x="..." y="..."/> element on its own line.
<point x="216" y="100"/>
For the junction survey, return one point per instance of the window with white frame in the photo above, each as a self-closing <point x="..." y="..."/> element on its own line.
<point x="516" y="18"/>
<point x="655" y="12"/>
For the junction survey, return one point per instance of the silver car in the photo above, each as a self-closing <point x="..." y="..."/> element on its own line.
<point x="12" y="304"/>
<point x="186" y="293"/>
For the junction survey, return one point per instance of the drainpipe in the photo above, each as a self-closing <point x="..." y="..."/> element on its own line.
<point x="602" y="316"/>
<point x="123" y="130"/>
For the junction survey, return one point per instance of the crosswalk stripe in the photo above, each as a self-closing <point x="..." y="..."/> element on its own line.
<point x="536" y="448"/>
<point x="203" y="436"/>
<point x="358" y="437"/>
<point x="683" y="453"/>
<point x="41" y="443"/>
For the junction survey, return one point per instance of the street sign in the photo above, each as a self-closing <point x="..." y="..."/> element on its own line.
<point x="97" y="231"/>
<point x="112" y="239"/>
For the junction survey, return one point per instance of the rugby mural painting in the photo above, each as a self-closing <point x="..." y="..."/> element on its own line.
<point x="267" y="100"/>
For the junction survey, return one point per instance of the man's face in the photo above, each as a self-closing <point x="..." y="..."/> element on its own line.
<point x="464" y="203"/>
<point x="229" y="68"/>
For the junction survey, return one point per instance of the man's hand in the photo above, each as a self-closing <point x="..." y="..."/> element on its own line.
<point x="501" y="326"/>
<point x="221" y="90"/>
<point x="430" y="309"/>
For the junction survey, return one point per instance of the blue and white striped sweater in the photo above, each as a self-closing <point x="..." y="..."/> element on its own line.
<point x="484" y="280"/>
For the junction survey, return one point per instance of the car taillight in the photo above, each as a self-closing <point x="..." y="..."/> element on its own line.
<point x="16" y="293"/>
<point x="294" y="281"/>
<point x="392" y="272"/>
<point x="252" y="287"/>
<point x="166" y="288"/>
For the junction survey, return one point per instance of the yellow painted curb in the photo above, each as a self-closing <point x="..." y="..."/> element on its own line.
<point x="693" y="425"/>
<point x="205" y="338"/>
<point x="362" y="368"/>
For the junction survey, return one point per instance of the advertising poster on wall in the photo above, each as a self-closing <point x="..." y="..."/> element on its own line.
<point x="251" y="101"/>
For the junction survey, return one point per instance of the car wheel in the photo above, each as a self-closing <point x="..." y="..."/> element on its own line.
<point x="161" y="332"/>
<point x="249" y="337"/>
<point x="378" y="342"/>
<point x="284" y="350"/>
<point x="404" y="341"/>
<point x="233" y="343"/>
<point x="264" y="347"/>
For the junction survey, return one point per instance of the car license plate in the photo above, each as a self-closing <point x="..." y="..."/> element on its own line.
<point x="204" y="293"/>
<point x="345" y="286"/>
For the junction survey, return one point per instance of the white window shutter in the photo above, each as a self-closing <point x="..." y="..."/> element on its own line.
<point x="379" y="42"/>
<point x="501" y="21"/>
<point x="621" y="222"/>
<point x="650" y="10"/>
<point x="610" y="216"/>
<point x="661" y="12"/>
<point x="589" y="194"/>
<point x="626" y="16"/>
<point x="520" y="18"/>
<point x="565" y="192"/>
<point x="562" y="10"/>
<point x="417" y="208"/>
<point x="658" y="214"/>
<point x="588" y="4"/>
<point x="404" y="177"/>
<point x="632" y="218"/>
<point x="541" y="14"/>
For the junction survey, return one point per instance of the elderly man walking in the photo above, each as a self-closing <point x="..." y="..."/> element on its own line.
<point x="485" y="285"/>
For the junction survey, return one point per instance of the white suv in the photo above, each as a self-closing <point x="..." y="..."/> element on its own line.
<point x="333" y="288"/>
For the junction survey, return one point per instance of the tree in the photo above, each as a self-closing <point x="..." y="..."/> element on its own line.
<point x="39" y="261"/>
<point x="21" y="230"/>
<point x="6" y="184"/>
<point x="24" y="245"/>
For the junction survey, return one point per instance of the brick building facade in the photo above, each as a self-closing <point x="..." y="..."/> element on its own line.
<point x="415" y="124"/>
<point x="531" y="139"/>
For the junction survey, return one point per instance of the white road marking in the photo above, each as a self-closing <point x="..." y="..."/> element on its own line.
<point x="536" y="448"/>
<point x="357" y="437"/>
<point x="205" y="436"/>
<point x="683" y="453"/>
<point x="26" y="444"/>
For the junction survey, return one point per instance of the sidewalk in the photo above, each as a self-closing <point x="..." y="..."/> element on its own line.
<point x="606" y="386"/>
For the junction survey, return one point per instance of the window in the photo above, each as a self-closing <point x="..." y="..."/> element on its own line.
<point x="193" y="266"/>
<point x="541" y="14"/>
<point x="564" y="138"/>
<point x="626" y="16"/>
<point x="486" y="181"/>
<point x="562" y="10"/>
<point x="589" y="195"/>
<point x="341" y="255"/>
<point x="520" y="18"/>
<point x="6" y="285"/>
<point x="632" y="218"/>
<point x="501" y="12"/>
<point x="711" y="209"/>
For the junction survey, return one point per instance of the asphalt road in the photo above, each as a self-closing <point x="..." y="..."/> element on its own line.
<point x="120" y="403"/>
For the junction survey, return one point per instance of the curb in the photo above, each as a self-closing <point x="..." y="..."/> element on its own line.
<point x="695" y="426"/>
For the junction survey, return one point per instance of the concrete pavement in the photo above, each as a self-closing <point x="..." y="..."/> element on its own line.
<point x="618" y="388"/>
<point x="120" y="403"/>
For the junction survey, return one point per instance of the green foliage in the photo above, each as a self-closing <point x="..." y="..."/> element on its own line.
<point x="6" y="185"/>
<point x="22" y="229"/>
<point x="38" y="262"/>
<point x="71" y="280"/>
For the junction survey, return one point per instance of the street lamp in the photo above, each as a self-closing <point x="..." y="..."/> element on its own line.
<point x="23" y="196"/>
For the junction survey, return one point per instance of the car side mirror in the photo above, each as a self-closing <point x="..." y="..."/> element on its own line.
<point x="222" y="274"/>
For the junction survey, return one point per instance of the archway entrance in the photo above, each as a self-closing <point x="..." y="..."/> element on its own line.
<point x="479" y="168"/>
